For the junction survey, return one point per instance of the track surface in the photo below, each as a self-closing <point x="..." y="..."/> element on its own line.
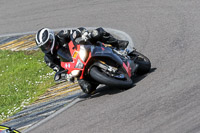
<point x="167" y="31"/>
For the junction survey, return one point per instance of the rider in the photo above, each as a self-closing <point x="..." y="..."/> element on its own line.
<point x="49" y="42"/>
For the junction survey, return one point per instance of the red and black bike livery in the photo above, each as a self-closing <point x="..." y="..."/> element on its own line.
<point x="101" y="64"/>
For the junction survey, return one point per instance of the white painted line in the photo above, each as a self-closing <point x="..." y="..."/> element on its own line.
<point x="119" y="33"/>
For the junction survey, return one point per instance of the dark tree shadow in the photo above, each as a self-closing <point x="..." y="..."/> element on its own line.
<point x="105" y="90"/>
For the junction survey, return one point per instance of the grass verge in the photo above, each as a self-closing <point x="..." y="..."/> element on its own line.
<point x="23" y="77"/>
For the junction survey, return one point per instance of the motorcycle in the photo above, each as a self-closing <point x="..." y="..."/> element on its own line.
<point x="102" y="64"/>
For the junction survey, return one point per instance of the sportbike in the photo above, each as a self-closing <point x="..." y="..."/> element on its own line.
<point x="102" y="64"/>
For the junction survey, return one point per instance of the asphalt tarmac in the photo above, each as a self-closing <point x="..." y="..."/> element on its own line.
<point x="165" y="101"/>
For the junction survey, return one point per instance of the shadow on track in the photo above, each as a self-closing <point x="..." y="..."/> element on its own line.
<point x="105" y="90"/>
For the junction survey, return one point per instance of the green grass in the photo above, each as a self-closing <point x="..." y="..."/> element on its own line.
<point x="23" y="77"/>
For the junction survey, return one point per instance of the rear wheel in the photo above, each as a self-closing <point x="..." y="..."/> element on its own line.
<point x="143" y="62"/>
<point x="104" y="78"/>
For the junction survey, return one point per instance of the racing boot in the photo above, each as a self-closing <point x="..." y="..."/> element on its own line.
<point x="86" y="86"/>
<point x="122" y="44"/>
<point x="119" y="44"/>
<point x="100" y="34"/>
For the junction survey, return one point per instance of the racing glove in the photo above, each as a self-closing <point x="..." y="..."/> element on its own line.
<point x="56" y="68"/>
<point x="62" y="76"/>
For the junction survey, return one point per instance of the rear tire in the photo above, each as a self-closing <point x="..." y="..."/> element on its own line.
<point x="103" y="78"/>
<point x="143" y="62"/>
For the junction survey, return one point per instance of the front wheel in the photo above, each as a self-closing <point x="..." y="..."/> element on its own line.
<point x="104" y="78"/>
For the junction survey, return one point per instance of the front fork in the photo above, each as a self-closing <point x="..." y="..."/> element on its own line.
<point x="127" y="69"/>
<point x="133" y="67"/>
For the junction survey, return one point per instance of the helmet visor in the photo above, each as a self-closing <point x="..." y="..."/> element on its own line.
<point x="47" y="47"/>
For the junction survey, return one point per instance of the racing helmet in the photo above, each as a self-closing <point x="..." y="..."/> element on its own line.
<point x="45" y="39"/>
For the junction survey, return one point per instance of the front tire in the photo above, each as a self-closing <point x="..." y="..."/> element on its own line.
<point x="103" y="78"/>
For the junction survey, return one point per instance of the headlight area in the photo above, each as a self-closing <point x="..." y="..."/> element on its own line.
<point x="79" y="64"/>
<point x="83" y="53"/>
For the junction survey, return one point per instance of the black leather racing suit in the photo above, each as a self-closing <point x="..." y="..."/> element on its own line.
<point x="63" y="38"/>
